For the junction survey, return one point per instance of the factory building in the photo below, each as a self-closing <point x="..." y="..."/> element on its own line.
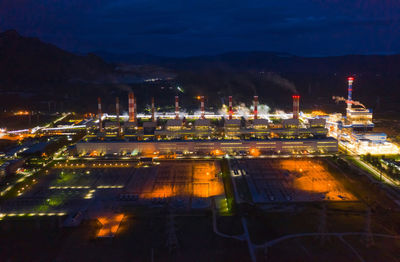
<point x="284" y="146"/>
<point x="260" y="124"/>
<point x="355" y="131"/>
<point x="359" y="119"/>
<point x="233" y="135"/>
<point x="232" y="128"/>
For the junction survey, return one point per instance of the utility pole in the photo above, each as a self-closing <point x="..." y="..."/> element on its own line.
<point x="369" y="240"/>
<point x="322" y="225"/>
<point x="172" y="240"/>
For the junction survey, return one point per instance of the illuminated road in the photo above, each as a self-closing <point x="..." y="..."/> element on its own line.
<point x="378" y="175"/>
<point x="44" y="128"/>
<point x="371" y="169"/>
<point x="26" y="174"/>
<point x="391" y="187"/>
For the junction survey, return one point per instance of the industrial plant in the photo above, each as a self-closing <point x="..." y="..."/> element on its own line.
<point x="232" y="133"/>
<point x="179" y="133"/>
<point x="114" y="167"/>
<point x="354" y="131"/>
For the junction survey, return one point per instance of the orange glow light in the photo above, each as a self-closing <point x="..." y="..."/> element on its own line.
<point x="318" y="113"/>
<point x="94" y="153"/>
<point x="316" y="179"/>
<point x="183" y="180"/>
<point x="21" y="113"/>
<point x="217" y="152"/>
<point x="110" y="225"/>
<point x="255" y="152"/>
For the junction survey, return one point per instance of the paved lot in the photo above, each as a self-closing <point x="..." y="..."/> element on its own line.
<point x="283" y="180"/>
<point x="189" y="182"/>
<point x="69" y="190"/>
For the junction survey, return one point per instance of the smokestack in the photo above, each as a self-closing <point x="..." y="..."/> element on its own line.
<point x="152" y="110"/>
<point x="117" y="112"/>
<point x="230" y="108"/>
<point x="202" y="107"/>
<point x="134" y="108"/>
<point x="100" y="114"/>
<point x="131" y="107"/>
<point x="350" y="92"/>
<point x="176" y="107"/>
<point x="255" y="107"/>
<point x="296" y="107"/>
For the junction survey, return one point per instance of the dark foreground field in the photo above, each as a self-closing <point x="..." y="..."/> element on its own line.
<point x="138" y="239"/>
<point x="365" y="229"/>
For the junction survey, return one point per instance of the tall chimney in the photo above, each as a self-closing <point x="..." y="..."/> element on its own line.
<point x="117" y="112"/>
<point x="100" y="114"/>
<point x="255" y="107"/>
<point x="152" y="110"/>
<point x="350" y="92"/>
<point x="176" y="107"/>
<point x="202" y="107"/>
<point x="135" y="108"/>
<point x="230" y="108"/>
<point x="131" y="107"/>
<point x="296" y="107"/>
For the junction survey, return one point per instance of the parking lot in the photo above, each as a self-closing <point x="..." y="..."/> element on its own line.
<point x="69" y="190"/>
<point x="289" y="180"/>
<point x="189" y="182"/>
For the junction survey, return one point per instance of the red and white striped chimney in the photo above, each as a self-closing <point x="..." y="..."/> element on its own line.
<point x="296" y="107"/>
<point x="202" y="107"/>
<point x="100" y="114"/>
<point x="117" y="112"/>
<point x="135" y="108"/>
<point x="131" y="107"/>
<point x="176" y="107"/>
<point x="350" y="92"/>
<point x="152" y="110"/>
<point x="230" y="108"/>
<point x="255" y="107"/>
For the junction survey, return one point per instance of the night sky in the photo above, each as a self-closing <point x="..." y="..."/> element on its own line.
<point x="187" y="27"/>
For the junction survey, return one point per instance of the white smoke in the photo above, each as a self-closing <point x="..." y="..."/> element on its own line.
<point x="263" y="109"/>
<point x="223" y="110"/>
<point x="340" y="98"/>
<point x="283" y="82"/>
<point x="243" y="111"/>
<point x="124" y="87"/>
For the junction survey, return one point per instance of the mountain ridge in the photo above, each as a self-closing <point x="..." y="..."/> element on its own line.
<point x="266" y="61"/>
<point x="26" y="60"/>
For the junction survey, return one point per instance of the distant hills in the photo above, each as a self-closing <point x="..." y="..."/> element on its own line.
<point x="32" y="73"/>
<point x="27" y="60"/>
<point x="268" y="61"/>
<point x="275" y="76"/>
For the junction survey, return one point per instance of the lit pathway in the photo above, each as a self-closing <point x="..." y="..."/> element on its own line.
<point x="338" y="234"/>
<point x="376" y="172"/>
<point x="244" y="237"/>
<point x="250" y="244"/>
<point x="215" y="227"/>
<point x="238" y="200"/>
<point x="373" y="174"/>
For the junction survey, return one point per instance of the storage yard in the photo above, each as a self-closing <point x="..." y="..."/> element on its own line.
<point x="70" y="188"/>
<point x="289" y="180"/>
<point x="179" y="180"/>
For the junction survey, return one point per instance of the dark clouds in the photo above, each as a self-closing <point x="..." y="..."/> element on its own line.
<point x="188" y="27"/>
